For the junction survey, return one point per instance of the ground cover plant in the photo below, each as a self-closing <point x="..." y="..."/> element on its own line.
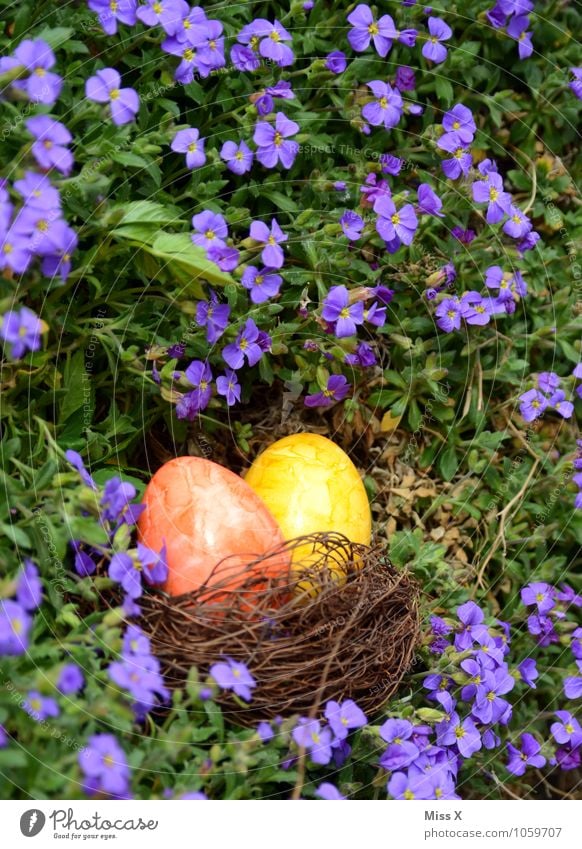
<point x="222" y="224"/>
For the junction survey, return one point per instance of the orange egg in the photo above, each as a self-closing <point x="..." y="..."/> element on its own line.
<point x="204" y="513"/>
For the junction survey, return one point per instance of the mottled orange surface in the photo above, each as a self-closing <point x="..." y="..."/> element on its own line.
<point x="310" y="484"/>
<point x="204" y="513"/>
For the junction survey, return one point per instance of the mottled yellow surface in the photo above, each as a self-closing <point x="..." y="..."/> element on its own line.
<point x="310" y="484"/>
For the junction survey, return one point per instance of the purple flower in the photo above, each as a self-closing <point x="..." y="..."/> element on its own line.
<point x="116" y="498"/>
<point x="489" y="706"/>
<point x="528" y="671"/>
<point x="567" y="730"/>
<point x="213" y="316"/>
<point x="271" y="44"/>
<point x="36" y="57"/>
<point x="15" y="625"/>
<point x="225" y="258"/>
<point x="352" y="225"/>
<point x="338" y="310"/>
<point x="265" y="732"/>
<point x="428" y="201"/>
<point x="465" y="237"/>
<point x="104" y="764"/>
<point x="405" y="79"/>
<point x="262" y="284"/>
<point x="573" y="687"/>
<point x="238" y="157"/>
<point x="233" y="675"/>
<point x="390" y="164"/>
<point x="490" y="191"/>
<point x="461" y="159"/>
<point x="559" y="403"/>
<point x="336" y="390"/>
<point x="38" y="191"/>
<point x="365" y="29"/>
<point x="211" y="229"/>
<point x="190" y="143"/>
<point x="309" y="734"/>
<point x="470" y="615"/>
<point x="464" y="733"/>
<point x="395" y="223"/>
<point x="70" y="680"/>
<point x="247" y="346"/>
<point x="272" y="142"/>
<point x="460" y="120"/>
<point x="433" y="49"/>
<point x="21" y="331"/>
<point x="404" y="787"/>
<point x="387" y="107"/>
<point x="40" y="707"/>
<point x="449" y="315"/>
<point x="329" y="791"/>
<point x="199" y="375"/>
<point x="140" y="676"/>
<point x="363" y="356"/>
<point x="474" y="309"/>
<point x="165" y="13"/>
<point x="126" y="572"/>
<point x="104" y="87"/>
<point x="528" y="755"/>
<point x="532" y="405"/>
<point x="518" y="224"/>
<point x="153" y="564"/>
<point x="344" y="717"/>
<point x="272" y="254"/>
<point x="109" y="13"/>
<point x="29" y="587"/>
<point x="517" y="29"/>
<point x="576" y="84"/>
<point x="76" y="461"/>
<point x="336" y="62"/>
<point x="50" y="148"/>
<point x="228" y="386"/>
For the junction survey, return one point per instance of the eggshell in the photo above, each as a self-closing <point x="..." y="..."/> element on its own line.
<point x="309" y="484"/>
<point x="205" y="513"/>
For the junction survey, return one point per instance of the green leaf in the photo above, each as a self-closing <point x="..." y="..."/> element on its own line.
<point x="56" y="37"/>
<point x="144" y="212"/>
<point x="448" y="463"/>
<point x="86" y="529"/>
<point x="179" y="249"/>
<point x="79" y="391"/>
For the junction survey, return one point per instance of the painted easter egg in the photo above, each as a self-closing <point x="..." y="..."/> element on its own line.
<point x="309" y="484"/>
<point x="205" y="514"/>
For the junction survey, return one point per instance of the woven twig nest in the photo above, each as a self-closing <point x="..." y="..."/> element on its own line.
<point x="346" y="626"/>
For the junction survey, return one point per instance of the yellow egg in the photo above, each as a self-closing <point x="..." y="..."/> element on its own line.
<point x="309" y="484"/>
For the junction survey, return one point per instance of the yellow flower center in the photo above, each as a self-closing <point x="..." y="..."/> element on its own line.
<point x="433" y="39"/>
<point x="239" y="155"/>
<point x="278" y="139"/>
<point x="345" y="313"/>
<point x="569" y="728"/>
<point x="35" y="704"/>
<point x="535" y="403"/>
<point x="158" y="8"/>
<point x="493" y="194"/>
<point x="113" y="5"/>
<point x="516" y="219"/>
<point x="42" y="225"/>
<point x="408" y="794"/>
<point x="271" y="240"/>
<point x="192" y="147"/>
<point x="315" y="737"/>
<point x="438" y="793"/>
<point x="204" y="386"/>
<point x="48" y="144"/>
<point x="188" y="54"/>
<point x="243" y="344"/>
<point x="480" y="308"/>
<point x="459" y="732"/>
<point x="254" y="42"/>
<point x="259" y="279"/>
<point x="108" y="760"/>
<point x="40" y="72"/>
<point x="539" y="597"/>
<point x="212" y="44"/>
<point x="7" y="248"/>
<point x="451" y="313"/>
<point x="373" y="28"/>
<point x="395" y="219"/>
<point x="456" y="125"/>
<point x="491" y="696"/>
<point x="458" y="154"/>
<point x="210" y="234"/>
<point x="274" y="36"/>
<point x="114" y="94"/>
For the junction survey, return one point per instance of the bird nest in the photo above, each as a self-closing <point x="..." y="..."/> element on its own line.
<point x="345" y="626"/>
